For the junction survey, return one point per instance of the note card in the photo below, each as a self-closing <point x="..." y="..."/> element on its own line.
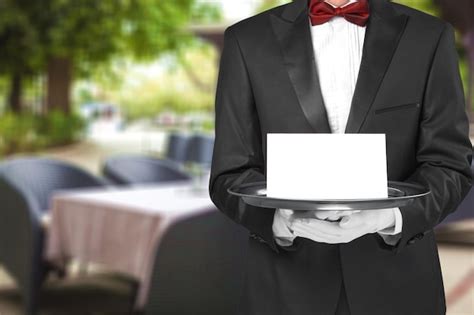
<point x="326" y="166"/>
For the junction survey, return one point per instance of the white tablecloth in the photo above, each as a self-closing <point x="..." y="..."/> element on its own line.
<point x="120" y="228"/>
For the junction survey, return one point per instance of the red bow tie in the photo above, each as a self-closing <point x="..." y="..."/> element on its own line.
<point x="357" y="12"/>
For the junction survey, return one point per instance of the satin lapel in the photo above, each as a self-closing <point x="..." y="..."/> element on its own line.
<point x="292" y="30"/>
<point x="383" y="33"/>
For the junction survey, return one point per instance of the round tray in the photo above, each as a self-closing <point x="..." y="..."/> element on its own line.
<point x="400" y="194"/>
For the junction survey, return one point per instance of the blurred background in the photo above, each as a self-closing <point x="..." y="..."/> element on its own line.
<point x="83" y="80"/>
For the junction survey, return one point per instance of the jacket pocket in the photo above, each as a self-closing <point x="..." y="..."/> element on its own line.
<point x="396" y="107"/>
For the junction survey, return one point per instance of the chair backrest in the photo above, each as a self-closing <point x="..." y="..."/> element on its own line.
<point x="137" y="169"/>
<point x="200" y="149"/>
<point x="176" y="147"/>
<point x="40" y="177"/>
<point x="199" y="267"/>
<point x="21" y="237"/>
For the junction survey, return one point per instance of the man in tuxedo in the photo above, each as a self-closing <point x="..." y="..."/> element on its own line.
<point x="367" y="66"/>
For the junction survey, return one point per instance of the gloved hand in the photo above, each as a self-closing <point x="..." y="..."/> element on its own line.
<point x="283" y="219"/>
<point x="281" y="227"/>
<point x="335" y="215"/>
<point x="348" y="229"/>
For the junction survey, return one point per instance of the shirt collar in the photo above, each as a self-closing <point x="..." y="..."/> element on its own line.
<point x="350" y="1"/>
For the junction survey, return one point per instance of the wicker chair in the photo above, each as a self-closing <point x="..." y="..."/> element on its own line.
<point x="26" y="186"/>
<point x="137" y="169"/>
<point x="176" y="148"/>
<point x="200" y="149"/>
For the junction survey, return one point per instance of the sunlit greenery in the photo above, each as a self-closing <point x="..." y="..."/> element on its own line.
<point x="36" y="34"/>
<point x="137" y="54"/>
<point x="268" y="4"/>
<point x="28" y="133"/>
<point x="180" y="81"/>
<point x="427" y="6"/>
<point x="143" y="91"/>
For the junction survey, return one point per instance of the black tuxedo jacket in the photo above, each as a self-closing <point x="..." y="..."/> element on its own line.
<point x="409" y="88"/>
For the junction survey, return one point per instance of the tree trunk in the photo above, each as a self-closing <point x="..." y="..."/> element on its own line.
<point x="59" y="84"/>
<point x="14" y="98"/>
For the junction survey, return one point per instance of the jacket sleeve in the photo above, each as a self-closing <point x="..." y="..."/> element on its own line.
<point x="237" y="155"/>
<point x="444" y="150"/>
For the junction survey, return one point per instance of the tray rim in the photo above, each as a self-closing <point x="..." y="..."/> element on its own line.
<point x="425" y="190"/>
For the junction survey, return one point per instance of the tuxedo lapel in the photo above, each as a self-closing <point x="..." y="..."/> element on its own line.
<point x="292" y="29"/>
<point x="293" y="32"/>
<point x="383" y="33"/>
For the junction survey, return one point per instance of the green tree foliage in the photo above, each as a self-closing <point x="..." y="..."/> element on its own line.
<point x="18" y="39"/>
<point x="28" y="133"/>
<point x="86" y="32"/>
<point x="427" y="6"/>
<point x="205" y="12"/>
<point x="268" y="4"/>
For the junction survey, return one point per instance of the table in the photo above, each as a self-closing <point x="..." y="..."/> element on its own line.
<point x="120" y="228"/>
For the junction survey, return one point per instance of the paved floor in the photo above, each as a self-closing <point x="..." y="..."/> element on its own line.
<point x="97" y="294"/>
<point x="458" y="275"/>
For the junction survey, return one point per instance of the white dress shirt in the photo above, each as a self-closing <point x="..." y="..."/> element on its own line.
<point x="337" y="48"/>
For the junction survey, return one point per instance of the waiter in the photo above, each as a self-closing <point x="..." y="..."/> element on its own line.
<point x="339" y="66"/>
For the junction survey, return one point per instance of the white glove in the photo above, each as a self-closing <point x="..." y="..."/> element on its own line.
<point x="348" y="229"/>
<point x="281" y="227"/>
<point x="283" y="219"/>
<point x="335" y="215"/>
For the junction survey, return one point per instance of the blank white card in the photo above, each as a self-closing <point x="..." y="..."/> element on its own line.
<point x="326" y="166"/>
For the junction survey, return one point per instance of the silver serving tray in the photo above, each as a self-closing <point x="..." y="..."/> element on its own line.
<point x="400" y="194"/>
